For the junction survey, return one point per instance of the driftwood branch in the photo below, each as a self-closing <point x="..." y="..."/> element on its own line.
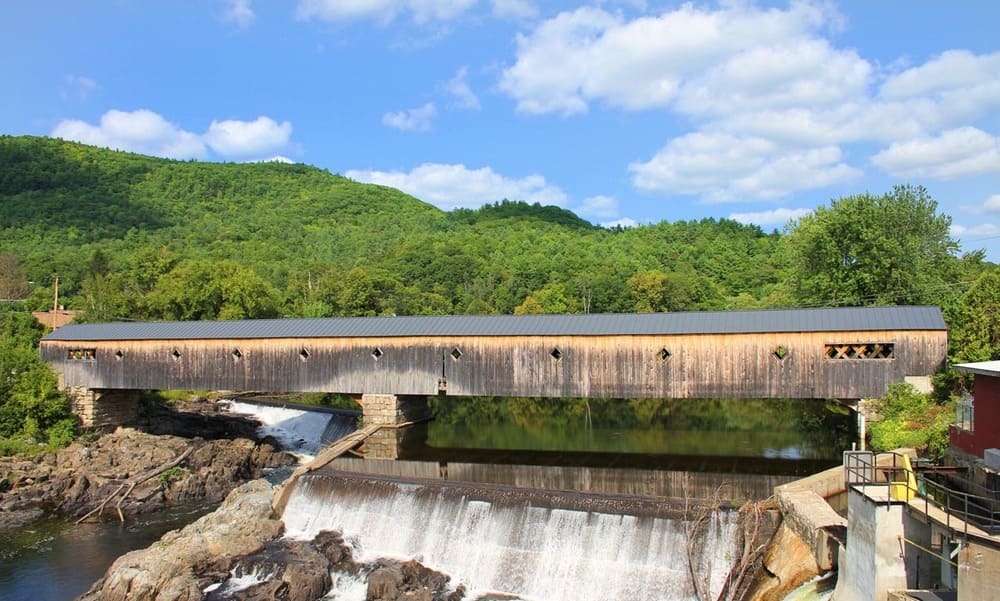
<point x="131" y="483"/>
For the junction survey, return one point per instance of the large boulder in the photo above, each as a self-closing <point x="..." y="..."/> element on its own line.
<point x="242" y="525"/>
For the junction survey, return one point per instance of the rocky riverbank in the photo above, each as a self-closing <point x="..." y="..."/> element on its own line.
<point x="192" y="452"/>
<point x="132" y="469"/>
<point x="237" y="552"/>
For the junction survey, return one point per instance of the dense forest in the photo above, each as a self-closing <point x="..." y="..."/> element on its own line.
<point x="142" y="238"/>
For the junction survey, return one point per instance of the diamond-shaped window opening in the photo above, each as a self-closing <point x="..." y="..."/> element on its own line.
<point x="377" y="353"/>
<point x="176" y="354"/>
<point x="556" y="354"/>
<point x="119" y="355"/>
<point x="304" y="354"/>
<point x="664" y="354"/>
<point x="456" y="353"/>
<point x="237" y="355"/>
<point x="780" y="353"/>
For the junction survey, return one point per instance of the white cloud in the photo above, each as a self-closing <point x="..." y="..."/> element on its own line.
<point x="239" y="13"/>
<point x="460" y="90"/>
<point x="78" y="86"/>
<point x="453" y="186"/>
<point x="383" y="11"/>
<point x="724" y="168"/>
<point x="625" y="222"/>
<point x="952" y="70"/>
<point x="990" y="205"/>
<point x="804" y="72"/>
<point x="140" y="131"/>
<point x="418" y="119"/>
<point x="514" y="9"/>
<point x="961" y="152"/>
<point x="772" y="217"/>
<point x="599" y="207"/>
<point x="146" y="132"/>
<point x="590" y="54"/>
<point x="983" y="230"/>
<point x="770" y="99"/>
<point x="248" y="138"/>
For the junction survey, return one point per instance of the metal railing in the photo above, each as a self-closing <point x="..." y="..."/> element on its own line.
<point x="892" y="472"/>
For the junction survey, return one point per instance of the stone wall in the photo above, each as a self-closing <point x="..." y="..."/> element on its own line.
<point x="103" y="408"/>
<point x="390" y="410"/>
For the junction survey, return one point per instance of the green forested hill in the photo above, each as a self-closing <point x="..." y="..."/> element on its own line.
<point x="140" y="237"/>
<point x="144" y="238"/>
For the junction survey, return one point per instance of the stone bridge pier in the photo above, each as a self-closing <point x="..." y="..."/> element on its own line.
<point x="393" y="411"/>
<point x="98" y="408"/>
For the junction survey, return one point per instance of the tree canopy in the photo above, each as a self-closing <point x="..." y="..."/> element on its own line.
<point x="863" y="250"/>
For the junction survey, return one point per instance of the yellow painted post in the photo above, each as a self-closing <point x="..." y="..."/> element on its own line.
<point x="906" y="489"/>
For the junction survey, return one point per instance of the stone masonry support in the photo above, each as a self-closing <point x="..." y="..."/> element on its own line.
<point x="390" y="410"/>
<point x="103" y="408"/>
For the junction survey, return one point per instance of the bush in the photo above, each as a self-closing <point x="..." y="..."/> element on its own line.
<point x="911" y="419"/>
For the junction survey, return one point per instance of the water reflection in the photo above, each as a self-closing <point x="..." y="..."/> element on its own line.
<point x="752" y="428"/>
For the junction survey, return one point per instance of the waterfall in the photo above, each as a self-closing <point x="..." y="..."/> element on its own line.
<point x="502" y="543"/>
<point x="298" y="430"/>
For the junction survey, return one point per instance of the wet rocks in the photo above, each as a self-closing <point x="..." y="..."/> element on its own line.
<point x="237" y="553"/>
<point x="164" y="571"/>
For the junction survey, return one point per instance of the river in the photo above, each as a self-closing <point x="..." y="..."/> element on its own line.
<point x="52" y="560"/>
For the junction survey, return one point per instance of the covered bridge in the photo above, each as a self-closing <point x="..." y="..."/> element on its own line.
<point x="845" y="353"/>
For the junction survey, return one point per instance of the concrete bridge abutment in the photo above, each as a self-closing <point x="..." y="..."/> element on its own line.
<point x="394" y="412"/>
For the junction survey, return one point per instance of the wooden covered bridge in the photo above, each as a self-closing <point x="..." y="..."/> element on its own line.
<point x="391" y="364"/>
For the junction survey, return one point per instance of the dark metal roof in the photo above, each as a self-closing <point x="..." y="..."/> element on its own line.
<point x="706" y="322"/>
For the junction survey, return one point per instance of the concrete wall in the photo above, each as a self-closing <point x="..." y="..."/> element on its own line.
<point x="807" y="513"/>
<point x="871" y="565"/>
<point x="978" y="572"/>
<point x="614" y="481"/>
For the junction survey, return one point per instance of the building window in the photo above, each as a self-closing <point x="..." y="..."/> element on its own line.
<point x="81" y="354"/>
<point x="377" y="353"/>
<point x="556" y="354"/>
<point x="964" y="414"/>
<point x="780" y="353"/>
<point x="864" y="350"/>
<point x="304" y="354"/>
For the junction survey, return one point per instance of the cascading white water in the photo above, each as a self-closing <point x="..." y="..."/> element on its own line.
<point x="298" y="430"/>
<point x="507" y="546"/>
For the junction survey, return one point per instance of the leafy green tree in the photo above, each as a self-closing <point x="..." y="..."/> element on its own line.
<point x="864" y="250"/>
<point x="911" y="419"/>
<point x="13" y="282"/>
<point x="203" y="289"/>
<point x="975" y="323"/>
<point x="32" y="410"/>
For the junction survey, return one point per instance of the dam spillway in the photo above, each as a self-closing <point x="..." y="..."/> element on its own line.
<point x="506" y="542"/>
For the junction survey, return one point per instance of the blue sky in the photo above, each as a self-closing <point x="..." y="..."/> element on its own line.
<point x="621" y="111"/>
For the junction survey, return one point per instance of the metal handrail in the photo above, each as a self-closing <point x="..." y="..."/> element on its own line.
<point x="861" y="469"/>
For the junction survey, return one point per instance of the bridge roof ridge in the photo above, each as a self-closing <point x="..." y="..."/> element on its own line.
<point x="837" y="319"/>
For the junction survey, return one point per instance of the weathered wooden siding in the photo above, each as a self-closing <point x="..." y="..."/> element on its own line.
<point x="698" y="366"/>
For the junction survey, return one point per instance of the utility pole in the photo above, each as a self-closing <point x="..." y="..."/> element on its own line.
<point x="55" y="300"/>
